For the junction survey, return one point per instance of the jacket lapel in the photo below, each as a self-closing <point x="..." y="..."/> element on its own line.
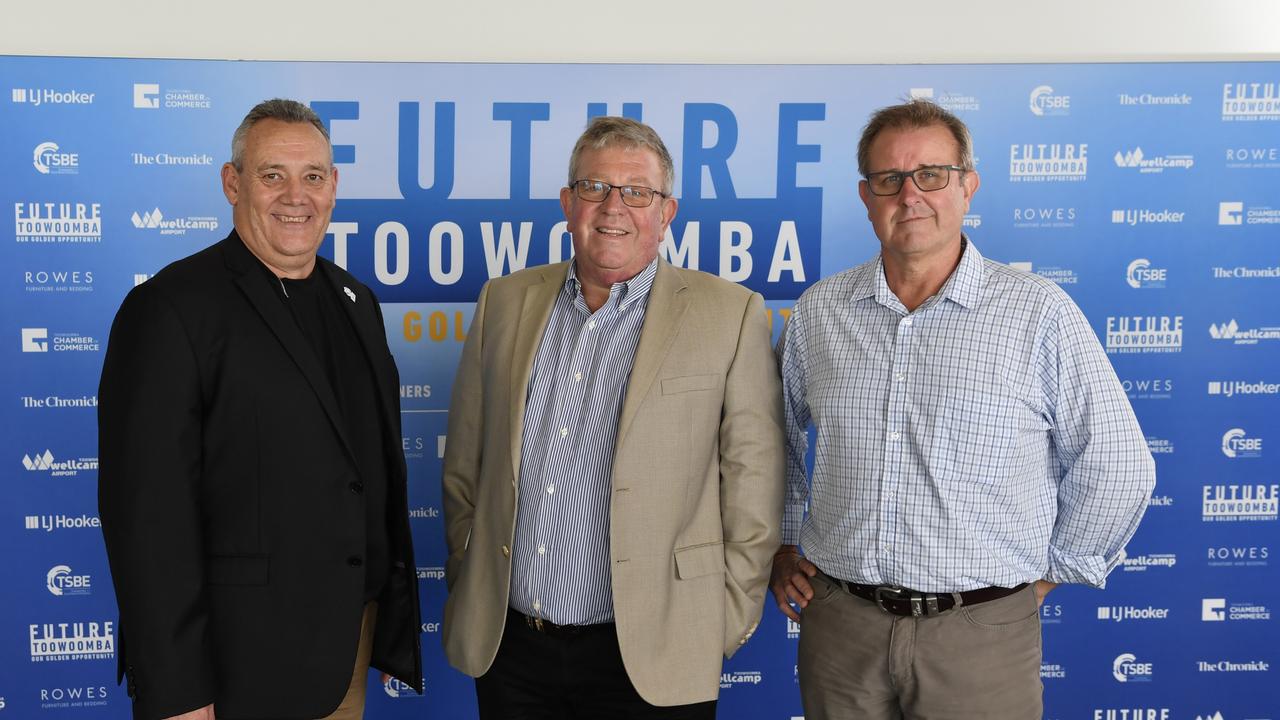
<point x="535" y="312"/>
<point x="254" y="282"/>
<point x="668" y="301"/>
<point x="361" y="310"/>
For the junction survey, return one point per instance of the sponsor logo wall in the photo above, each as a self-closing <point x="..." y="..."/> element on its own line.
<point x="1149" y="193"/>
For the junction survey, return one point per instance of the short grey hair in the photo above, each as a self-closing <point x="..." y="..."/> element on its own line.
<point x="290" y="111"/>
<point x="912" y="115"/>
<point x="609" y="131"/>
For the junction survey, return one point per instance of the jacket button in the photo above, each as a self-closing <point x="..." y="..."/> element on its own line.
<point x="356" y="487"/>
<point x="355" y="561"/>
<point x="506" y="551"/>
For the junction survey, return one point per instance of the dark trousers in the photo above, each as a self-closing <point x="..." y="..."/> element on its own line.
<point x="540" y="675"/>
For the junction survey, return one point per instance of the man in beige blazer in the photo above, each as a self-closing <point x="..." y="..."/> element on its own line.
<point x="613" y="473"/>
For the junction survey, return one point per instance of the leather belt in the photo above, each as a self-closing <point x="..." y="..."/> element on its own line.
<point x="911" y="603"/>
<point x="546" y="627"/>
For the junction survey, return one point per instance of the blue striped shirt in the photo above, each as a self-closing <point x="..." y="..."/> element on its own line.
<point x="560" y="557"/>
<point x="982" y="439"/>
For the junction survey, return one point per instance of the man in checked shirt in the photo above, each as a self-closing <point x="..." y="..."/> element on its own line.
<point x="974" y="449"/>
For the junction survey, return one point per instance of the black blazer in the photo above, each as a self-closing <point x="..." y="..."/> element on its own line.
<point x="234" y="524"/>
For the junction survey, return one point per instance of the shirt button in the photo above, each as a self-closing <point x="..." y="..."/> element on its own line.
<point x="542" y="549"/>
<point x="577" y="377"/>
<point x="355" y="561"/>
<point x="895" y="435"/>
<point x="900" y="377"/>
<point x="537" y="605"/>
<point x="591" y="325"/>
<point x="506" y="551"/>
<point x="908" y="321"/>
<point x="551" y="489"/>
<point x="564" y="432"/>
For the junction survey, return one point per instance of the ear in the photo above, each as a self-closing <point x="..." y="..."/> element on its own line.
<point x="334" y="185"/>
<point x="864" y="192"/>
<point x="566" y="200"/>
<point x="668" y="212"/>
<point x="971" y="183"/>
<point x="230" y="183"/>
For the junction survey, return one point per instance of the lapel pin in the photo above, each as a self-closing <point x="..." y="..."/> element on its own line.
<point x="350" y="294"/>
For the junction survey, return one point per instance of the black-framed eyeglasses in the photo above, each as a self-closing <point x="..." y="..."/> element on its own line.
<point x="636" y="196"/>
<point x="926" y="177"/>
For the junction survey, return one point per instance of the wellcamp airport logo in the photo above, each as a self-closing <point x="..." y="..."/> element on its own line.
<point x="1142" y="563"/>
<point x="1144" y="334"/>
<point x="740" y="677"/>
<point x="1250" y="101"/>
<point x="1232" y="388"/>
<point x="150" y="96"/>
<point x="1141" y="276"/>
<point x="48" y="96"/>
<point x="952" y="101"/>
<point x="1048" y="162"/>
<point x="1232" y="331"/>
<point x="1240" y="502"/>
<point x="45" y="462"/>
<point x="1126" y="668"/>
<point x="1234" y="212"/>
<point x="1144" y="164"/>
<point x="1143" y="216"/>
<point x="60" y="222"/>
<point x="155" y="220"/>
<point x="50" y="159"/>
<point x="1045" y="102"/>
<point x="1257" y="157"/>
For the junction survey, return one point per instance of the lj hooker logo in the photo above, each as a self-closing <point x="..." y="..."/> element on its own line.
<point x="54" y="642"/>
<point x="1144" y="334"/>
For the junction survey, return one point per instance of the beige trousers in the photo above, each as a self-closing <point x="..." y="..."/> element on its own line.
<point x="352" y="706"/>
<point x="979" y="662"/>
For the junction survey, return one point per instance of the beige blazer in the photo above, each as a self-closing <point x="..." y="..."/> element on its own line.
<point x="697" y="477"/>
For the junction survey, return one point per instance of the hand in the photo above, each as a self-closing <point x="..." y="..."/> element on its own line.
<point x="1042" y="588"/>
<point x="790" y="580"/>
<point x="204" y="713"/>
<point x="386" y="678"/>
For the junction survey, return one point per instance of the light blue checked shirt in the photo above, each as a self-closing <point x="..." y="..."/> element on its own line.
<point x="560" y="556"/>
<point x="981" y="440"/>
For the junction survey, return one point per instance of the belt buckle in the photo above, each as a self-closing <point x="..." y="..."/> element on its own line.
<point x="883" y="590"/>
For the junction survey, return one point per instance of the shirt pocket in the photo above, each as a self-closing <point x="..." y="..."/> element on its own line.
<point x="698" y="560"/>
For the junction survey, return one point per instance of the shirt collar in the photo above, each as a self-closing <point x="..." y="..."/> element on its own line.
<point x="964" y="287"/>
<point x="629" y="291"/>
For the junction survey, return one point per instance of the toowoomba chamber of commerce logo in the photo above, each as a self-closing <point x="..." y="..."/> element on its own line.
<point x="1234" y="212"/>
<point x="150" y="96"/>
<point x="1048" y="162"/>
<point x="1144" y="334"/>
<point x="40" y="340"/>
<point x="57" y="222"/>
<point x="1250" y="101"/>
<point x="1219" y="610"/>
<point x="953" y="101"/>
<point x="1054" y="273"/>
<point x="1240" y="502"/>
<point x="55" y="642"/>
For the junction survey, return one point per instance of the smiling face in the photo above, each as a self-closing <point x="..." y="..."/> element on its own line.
<point x="283" y="194"/>
<point x="917" y="227"/>
<point x="613" y="242"/>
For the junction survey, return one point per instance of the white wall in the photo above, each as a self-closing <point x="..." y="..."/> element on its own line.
<point x="749" y="31"/>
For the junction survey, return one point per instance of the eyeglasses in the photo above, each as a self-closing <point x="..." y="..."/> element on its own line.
<point x="636" y="196"/>
<point x="928" y="178"/>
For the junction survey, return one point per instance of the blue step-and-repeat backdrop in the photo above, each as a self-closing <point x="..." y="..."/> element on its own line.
<point x="1150" y="192"/>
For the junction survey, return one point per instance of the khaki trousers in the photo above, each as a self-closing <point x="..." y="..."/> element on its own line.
<point x="979" y="662"/>
<point x="352" y="706"/>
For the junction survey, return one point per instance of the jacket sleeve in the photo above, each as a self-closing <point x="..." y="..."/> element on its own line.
<point x="751" y="474"/>
<point x="149" y="437"/>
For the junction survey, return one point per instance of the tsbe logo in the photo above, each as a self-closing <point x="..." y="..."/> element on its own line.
<point x="1048" y="162"/>
<point x="1044" y="217"/>
<point x="59" y="582"/>
<point x="1231" y="331"/>
<point x="55" y="642"/>
<point x="1237" y="444"/>
<point x="155" y="220"/>
<point x="1141" y="276"/>
<point x="57" y="222"/>
<point x="1144" y="334"/>
<point x="1132" y="713"/>
<point x="49" y="159"/>
<point x="740" y="677"/>
<point x="1146" y="99"/>
<point x="1231" y="388"/>
<point x="1044" y="101"/>
<point x="149" y="96"/>
<point x="1250" y="101"/>
<point x="396" y="689"/>
<point x="1126" y="668"/>
<point x="1143" y="163"/>
<point x="1253" y="158"/>
<point x="1234" y="212"/>
<point x="1143" y="216"/>
<point x="1125" y="613"/>
<point x="1219" y="610"/>
<point x="1155" y="388"/>
<point x="1237" y="502"/>
<point x="36" y="340"/>
<point x="953" y="101"/>
<point x="1231" y="666"/>
<point x="48" y="96"/>
<point x="1238" y="556"/>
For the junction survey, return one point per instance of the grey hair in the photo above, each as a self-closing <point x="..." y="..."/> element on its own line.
<point x="610" y="131"/>
<point x="914" y="114"/>
<point x="290" y="111"/>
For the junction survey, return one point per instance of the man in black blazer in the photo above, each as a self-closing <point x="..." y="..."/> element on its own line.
<point x="252" y="482"/>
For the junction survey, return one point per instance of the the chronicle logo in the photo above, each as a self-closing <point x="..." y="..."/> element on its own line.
<point x="59" y="582"/>
<point x="1126" y="668"/>
<point x="53" y="642"/>
<point x="31" y="402"/>
<point x="1238" y="556"/>
<point x="45" y="462"/>
<point x="49" y="159"/>
<point x="1231" y="388"/>
<point x="1149" y="99"/>
<point x="164" y="159"/>
<point x="1233" y="666"/>
<point x="1044" y="101"/>
<point x="1139" y="160"/>
<point x="60" y="222"/>
<point x="1044" y="217"/>
<point x="49" y="281"/>
<point x="149" y="96"/>
<point x="1048" y="162"/>
<point x="1144" y="334"/>
<point x="1140" y="216"/>
<point x="1253" y="158"/>
<point x="1232" y="331"/>
<point x="953" y="101"/>
<point x="1241" y="272"/>
<point x="36" y="340"/>
<point x="1219" y="610"/>
<point x="1141" y="276"/>
<point x="740" y="677"/>
<point x="1250" y="101"/>
<point x="1234" y="212"/>
<point x="1240" y="502"/>
<point x="1237" y="444"/>
<point x="49" y="96"/>
<point x="155" y="220"/>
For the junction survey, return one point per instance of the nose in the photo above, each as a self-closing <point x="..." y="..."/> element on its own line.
<point x="295" y="190"/>
<point x="910" y="194"/>
<point x="613" y="201"/>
